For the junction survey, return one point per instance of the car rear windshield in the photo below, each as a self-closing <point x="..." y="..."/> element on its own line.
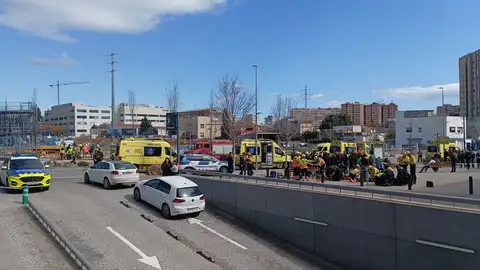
<point x="188" y="192"/>
<point x="124" y="166"/>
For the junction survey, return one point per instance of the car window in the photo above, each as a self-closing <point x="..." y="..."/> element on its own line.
<point x="124" y="166"/>
<point x="279" y="151"/>
<point x="32" y="163"/>
<point x="106" y="166"/>
<point x="189" y="192"/>
<point x="155" y="183"/>
<point x="167" y="151"/>
<point x="194" y="158"/>
<point x="164" y="187"/>
<point x="99" y="165"/>
<point x="152" y="151"/>
<point x="206" y="158"/>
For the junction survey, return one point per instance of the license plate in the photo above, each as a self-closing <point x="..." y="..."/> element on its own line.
<point x="32" y="183"/>
<point x="193" y="209"/>
<point x="127" y="173"/>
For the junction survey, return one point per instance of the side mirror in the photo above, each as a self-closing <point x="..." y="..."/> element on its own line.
<point x="47" y="166"/>
<point x="4" y="167"/>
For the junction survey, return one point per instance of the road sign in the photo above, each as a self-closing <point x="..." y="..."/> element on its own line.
<point x="172" y="121"/>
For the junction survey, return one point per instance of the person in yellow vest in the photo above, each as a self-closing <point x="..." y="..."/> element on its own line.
<point x="354" y="174"/>
<point x="403" y="160"/>
<point x="413" y="167"/>
<point x="296" y="167"/>
<point x="249" y="160"/>
<point x="62" y="153"/>
<point x="304" y="168"/>
<point x="320" y="164"/>
<point x="374" y="172"/>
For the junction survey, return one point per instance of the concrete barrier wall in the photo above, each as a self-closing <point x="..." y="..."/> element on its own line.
<point x="352" y="232"/>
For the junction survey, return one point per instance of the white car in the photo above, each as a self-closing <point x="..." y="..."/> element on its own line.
<point x="173" y="195"/>
<point x="199" y="162"/>
<point x="111" y="173"/>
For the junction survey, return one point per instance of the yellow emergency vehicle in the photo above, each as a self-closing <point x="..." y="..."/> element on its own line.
<point x="440" y="148"/>
<point x="270" y="154"/>
<point x="144" y="152"/>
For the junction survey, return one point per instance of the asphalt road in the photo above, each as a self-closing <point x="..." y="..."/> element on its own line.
<point x="24" y="244"/>
<point x="87" y="215"/>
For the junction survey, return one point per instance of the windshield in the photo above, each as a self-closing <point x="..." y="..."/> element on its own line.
<point x="25" y="164"/>
<point x="432" y="148"/>
<point x="124" y="166"/>
<point x="188" y="192"/>
<point x="335" y="149"/>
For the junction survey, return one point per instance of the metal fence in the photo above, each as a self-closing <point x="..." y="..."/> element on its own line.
<point x="458" y="203"/>
<point x="18" y="122"/>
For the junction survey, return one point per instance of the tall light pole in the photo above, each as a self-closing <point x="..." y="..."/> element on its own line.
<point x="444" y="115"/>
<point x="255" y="67"/>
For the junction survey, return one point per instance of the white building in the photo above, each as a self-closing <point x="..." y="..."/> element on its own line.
<point x="425" y="129"/>
<point x="156" y="115"/>
<point x="77" y="118"/>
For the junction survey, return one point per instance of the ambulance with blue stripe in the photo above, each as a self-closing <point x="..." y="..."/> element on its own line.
<point x="21" y="170"/>
<point x="200" y="162"/>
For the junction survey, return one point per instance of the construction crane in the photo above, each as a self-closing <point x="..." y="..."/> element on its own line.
<point x="58" y="84"/>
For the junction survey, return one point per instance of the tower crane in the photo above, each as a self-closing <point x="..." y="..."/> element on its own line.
<point x="58" y="84"/>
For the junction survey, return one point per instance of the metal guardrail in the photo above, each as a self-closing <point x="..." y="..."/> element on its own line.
<point x="365" y="191"/>
<point x="60" y="238"/>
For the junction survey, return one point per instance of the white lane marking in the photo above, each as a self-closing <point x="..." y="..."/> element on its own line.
<point x="311" y="221"/>
<point x="433" y="244"/>
<point x="199" y="223"/>
<point x="152" y="260"/>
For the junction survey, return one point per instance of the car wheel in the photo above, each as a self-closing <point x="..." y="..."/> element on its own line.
<point x="136" y="194"/>
<point x="166" y="211"/>
<point x="106" y="184"/>
<point x="224" y="170"/>
<point x="86" y="178"/>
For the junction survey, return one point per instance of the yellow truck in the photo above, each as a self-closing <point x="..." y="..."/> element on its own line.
<point x="144" y="152"/>
<point x="270" y="154"/>
<point x="343" y="147"/>
<point x="440" y="149"/>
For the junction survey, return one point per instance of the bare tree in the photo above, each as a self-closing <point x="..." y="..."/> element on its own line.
<point x="235" y="102"/>
<point x="132" y="105"/>
<point x="173" y="97"/>
<point x="286" y="127"/>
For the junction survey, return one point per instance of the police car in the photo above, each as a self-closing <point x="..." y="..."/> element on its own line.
<point x="20" y="170"/>
<point x="202" y="163"/>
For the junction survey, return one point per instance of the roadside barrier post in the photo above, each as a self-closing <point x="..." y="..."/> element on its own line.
<point x="25" y="195"/>
<point x="470" y="185"/>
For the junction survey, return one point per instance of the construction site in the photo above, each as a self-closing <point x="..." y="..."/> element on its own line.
<point x="18" y="121"/>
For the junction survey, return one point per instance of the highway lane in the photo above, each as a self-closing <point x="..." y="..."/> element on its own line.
<point x="229" y="243"/>
<point x="24" y="243"/>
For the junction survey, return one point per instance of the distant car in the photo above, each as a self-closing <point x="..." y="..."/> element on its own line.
<point x="111" y="173"/>
<point x="173" y="195"/>
<point x="20" y="170"/>
<point x="199" y="162"/>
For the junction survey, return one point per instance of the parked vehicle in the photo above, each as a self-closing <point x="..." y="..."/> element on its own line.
<point x="111" y="173"/>
<point x="20" y="170"/>
<point x="218" y="149"/>
<point x="173" y="195"/>
<point x="144" y="152"/>
<point x="198" y="162"/>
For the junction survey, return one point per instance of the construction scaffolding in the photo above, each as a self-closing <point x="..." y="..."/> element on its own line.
<point x="18" y="125"/>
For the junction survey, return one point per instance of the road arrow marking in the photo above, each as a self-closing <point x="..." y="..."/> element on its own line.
<point x="148" y="260"/>
<point x="199" y="223"/>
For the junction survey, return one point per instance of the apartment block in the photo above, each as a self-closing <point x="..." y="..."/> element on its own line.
<point x="315" y="116"/>
<point x="450" y="110"/>
<point x="77" y="118"/>
<point x="201" y="127"/>
<point x="356" y="112"/>
<point x="133" y="116"/>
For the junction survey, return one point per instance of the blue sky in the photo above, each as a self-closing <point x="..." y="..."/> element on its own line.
<point x="344" y="50"/>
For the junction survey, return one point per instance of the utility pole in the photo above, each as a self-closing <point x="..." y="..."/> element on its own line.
<point x="255" y="67"/>
<point x="444" y="114"/>
<point x="306" y="94"/>
<point x="58" y="84"/>
<point x="35" y="118"/>
<point x="112" y="72"/>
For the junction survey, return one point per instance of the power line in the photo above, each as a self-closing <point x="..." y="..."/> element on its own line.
<point x="306" y="94"/>
<point x="112" y="72"/>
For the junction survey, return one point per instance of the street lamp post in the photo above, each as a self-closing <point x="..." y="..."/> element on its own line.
<point x="255" y="67"/>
